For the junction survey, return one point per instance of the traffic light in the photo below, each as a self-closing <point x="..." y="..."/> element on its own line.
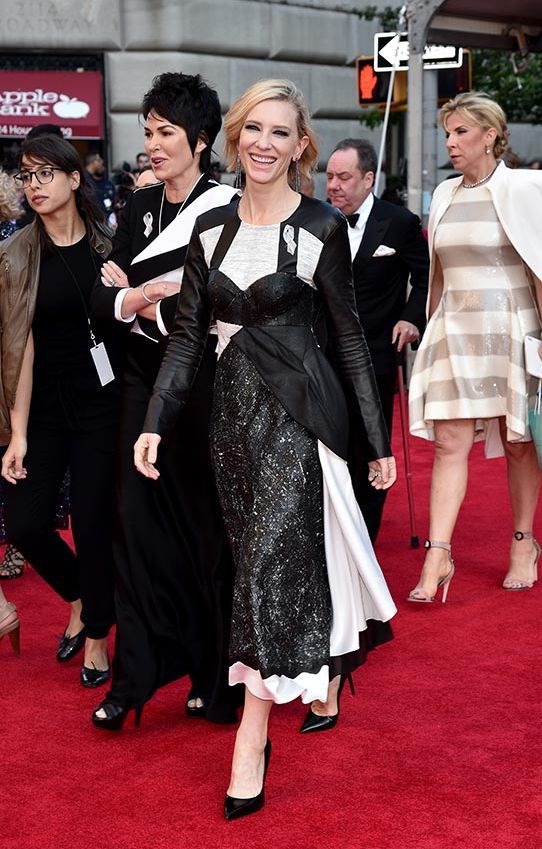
<point x="373" y="85"/>
<point x="452" y="81"/>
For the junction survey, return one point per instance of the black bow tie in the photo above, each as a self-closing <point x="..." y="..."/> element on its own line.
<point x="353" y="219"/>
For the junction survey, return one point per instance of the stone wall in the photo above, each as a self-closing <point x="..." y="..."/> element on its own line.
<point x="230" y="42"/>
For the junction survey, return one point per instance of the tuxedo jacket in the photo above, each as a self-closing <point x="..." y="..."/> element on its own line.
<point x="380" y="282"/>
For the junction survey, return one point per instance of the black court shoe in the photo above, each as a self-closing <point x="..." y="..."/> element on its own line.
<point x="115" y="716"/>
<point x="235" y="808"/>
<point x="92" y="677"/>
<point x="68" y="647"/>
<point x="314" y="722"/>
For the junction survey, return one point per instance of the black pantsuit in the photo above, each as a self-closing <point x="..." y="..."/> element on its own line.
<point x="72" y="424"/>
<point x="30" y="519"/>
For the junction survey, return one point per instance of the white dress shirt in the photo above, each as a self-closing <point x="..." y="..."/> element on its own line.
<point x="355" y="234"/>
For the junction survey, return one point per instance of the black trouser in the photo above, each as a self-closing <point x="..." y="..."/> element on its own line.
<point x="370" y="500"/>
<point x="30" y="517"/>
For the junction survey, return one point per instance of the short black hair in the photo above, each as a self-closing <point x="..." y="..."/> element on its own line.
<point x="367" y="158"/>
<point x="44" y="130"/>
<point x="189" y="102"/>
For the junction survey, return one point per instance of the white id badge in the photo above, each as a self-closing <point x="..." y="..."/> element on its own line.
<point x="101" y="361"/>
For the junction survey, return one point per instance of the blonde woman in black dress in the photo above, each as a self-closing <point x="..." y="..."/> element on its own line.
<point x="309" y="599"/>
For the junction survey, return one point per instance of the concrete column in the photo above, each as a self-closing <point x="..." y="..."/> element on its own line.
<point x="429" y="159"/>
<point x="414" y="132"/>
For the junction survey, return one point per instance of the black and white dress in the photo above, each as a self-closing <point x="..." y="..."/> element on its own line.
<point x="309" y="599"/>
<point x="174" y="567"/>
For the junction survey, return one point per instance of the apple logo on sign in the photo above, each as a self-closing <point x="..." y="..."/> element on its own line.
<point x="67" y="107"/>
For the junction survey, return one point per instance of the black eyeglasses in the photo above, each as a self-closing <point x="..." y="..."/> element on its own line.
<point x="43" y="175"/>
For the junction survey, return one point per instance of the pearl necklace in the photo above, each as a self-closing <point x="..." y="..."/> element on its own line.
<point x="479" y="182"/>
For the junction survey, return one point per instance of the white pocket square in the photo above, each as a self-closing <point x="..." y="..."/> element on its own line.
<point x="384" y="250"/>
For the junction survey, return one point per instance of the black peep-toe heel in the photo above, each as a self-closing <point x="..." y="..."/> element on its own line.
<point x="115" y="716"/>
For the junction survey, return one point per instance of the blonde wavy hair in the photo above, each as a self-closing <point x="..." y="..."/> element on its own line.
<point x="262" y="90"/>
<point x="481" y="110"/>
<point x="10" y="198"/>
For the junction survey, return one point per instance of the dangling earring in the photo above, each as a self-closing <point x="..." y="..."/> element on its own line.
<point x="297" y="176"/>
<point x="238" y="182"/>
<point x="488" y="150"/>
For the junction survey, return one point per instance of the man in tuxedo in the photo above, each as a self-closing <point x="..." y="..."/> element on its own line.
<point x="388" y="250"/>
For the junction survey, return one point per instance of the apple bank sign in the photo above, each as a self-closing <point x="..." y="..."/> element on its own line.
<point x="72" y="100"/>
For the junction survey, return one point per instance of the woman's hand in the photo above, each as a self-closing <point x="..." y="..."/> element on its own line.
<point x="12" y="461"/>
<point x="382" y="473"/>
<point x="145" y="453"/>
<point x="162" y="289"/>
<point x="113" y="275"/>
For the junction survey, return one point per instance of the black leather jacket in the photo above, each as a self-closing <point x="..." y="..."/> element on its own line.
<point x="278" y="338"/>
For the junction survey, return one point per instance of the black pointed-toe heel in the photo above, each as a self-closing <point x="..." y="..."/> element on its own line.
<point x="92" y="677"/>
<point x="235" y="808"/>
<point x="115" y="716"/>
<point x="68" y="647"/>
<point x="314" y="722"/>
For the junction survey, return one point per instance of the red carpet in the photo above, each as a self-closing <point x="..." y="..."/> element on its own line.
<point x="439" y="749"/>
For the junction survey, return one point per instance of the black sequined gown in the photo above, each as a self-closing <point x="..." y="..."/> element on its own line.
<point x="279" y="421"/>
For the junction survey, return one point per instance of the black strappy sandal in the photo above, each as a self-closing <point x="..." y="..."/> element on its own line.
<point x="13" y="563"/>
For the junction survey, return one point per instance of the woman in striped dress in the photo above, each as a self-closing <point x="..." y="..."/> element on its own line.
<point x="469" y="380"/>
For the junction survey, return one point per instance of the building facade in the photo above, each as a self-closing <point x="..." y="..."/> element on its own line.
<point x="231" y="43"/>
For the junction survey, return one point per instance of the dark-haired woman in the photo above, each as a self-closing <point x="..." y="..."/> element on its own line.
<point x="174" y="569"/>
<point x="60" y="396"/>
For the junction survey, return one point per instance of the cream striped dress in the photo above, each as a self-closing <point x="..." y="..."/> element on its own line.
<point x="470" y="364"/>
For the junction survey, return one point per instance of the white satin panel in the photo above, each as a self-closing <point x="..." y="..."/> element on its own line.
<point x="224" y="332"/>
<point x="358" y="588"/>
<point x="279" y="688"/>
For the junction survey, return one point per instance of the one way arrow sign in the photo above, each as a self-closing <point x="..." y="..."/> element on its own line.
<point x="391" y="51"/>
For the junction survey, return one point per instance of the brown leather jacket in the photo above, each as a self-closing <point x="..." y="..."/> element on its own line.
<point x="19" y="277"/>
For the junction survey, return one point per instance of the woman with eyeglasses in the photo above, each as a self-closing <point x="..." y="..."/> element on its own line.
<point x="58" y="407"/>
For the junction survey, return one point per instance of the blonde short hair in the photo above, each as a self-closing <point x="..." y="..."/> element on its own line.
<point x="284" y="90"/>
<point x="10" y="198"/>
<point x="479" y="108"/>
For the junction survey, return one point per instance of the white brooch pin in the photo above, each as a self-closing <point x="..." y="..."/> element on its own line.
<point x="288" y="236"/>
<point x="147" y="221"/>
